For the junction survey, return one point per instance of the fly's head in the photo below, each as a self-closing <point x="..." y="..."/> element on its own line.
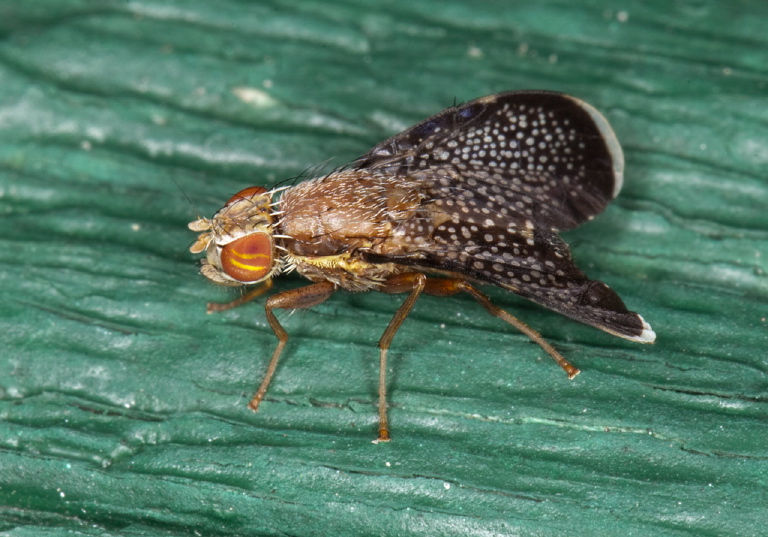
<point x="238" y="240"/>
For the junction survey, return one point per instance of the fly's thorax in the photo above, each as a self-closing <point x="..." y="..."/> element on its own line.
<point x="328" y="224"/>
<point x="238" y="240"/>
<point x="344" y="211"/>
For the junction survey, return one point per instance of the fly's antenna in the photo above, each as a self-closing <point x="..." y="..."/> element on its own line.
<point x="183" y="192"/>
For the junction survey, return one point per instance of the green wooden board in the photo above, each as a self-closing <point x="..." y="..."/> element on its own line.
<point x="123" y="405"/>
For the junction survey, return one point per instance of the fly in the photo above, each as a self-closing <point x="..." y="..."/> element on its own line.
<point x="474" y="194"/>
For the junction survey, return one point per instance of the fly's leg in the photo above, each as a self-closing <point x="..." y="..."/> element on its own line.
<point x="413" y="283"/>
<point x="304" y="297"/>
<point x="452" y="286"/>
<point x="213" y="307"/>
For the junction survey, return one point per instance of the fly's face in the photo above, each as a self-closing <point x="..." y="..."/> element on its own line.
<point x="239" y="240"/>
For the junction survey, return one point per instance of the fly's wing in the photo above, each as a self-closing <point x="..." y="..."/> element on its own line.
<point x="500" y="176"/>
<point x="536" y="265"/>
<point x="546" y="155"/>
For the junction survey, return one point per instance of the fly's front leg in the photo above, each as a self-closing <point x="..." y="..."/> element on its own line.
<point x="413" y="283"/>
<point x="213" y="307"/>
<point x="304" y="297"/>
<point x="451" y="286"/>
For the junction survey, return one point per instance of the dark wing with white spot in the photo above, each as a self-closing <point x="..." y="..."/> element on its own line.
<point x="499" y="176"/>
<point x="545" y="156"/>
<point x="535" y="264"/>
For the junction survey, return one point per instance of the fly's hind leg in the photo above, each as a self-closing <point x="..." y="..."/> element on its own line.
<point x="452" y="286"/>
<point x="417" y="283"/>
<point x="304" y="297"/>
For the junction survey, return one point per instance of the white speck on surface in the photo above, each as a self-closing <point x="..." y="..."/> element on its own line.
<point x="475" y="52"/>
<point x="255" y="97"/>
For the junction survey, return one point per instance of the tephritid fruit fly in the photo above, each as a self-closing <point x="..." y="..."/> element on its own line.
<point x="474" y="194"/>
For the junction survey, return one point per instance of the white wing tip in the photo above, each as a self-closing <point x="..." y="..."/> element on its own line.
<point x="611" y="142"/>
<point x="647" y="335"/>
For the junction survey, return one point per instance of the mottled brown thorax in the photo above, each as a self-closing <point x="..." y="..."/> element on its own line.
<point x="330" y="221"/>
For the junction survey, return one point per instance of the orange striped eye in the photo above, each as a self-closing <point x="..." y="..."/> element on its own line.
<point x="247" y="193"/>
<point x="248" y="259"/>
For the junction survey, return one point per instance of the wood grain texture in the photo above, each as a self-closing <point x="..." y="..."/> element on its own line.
<point x="122" y="404"/>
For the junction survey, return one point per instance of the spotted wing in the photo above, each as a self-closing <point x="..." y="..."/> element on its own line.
<point x="546" y="156"/>
<point x="499" y="176"/>
<point x="533" y="263"/>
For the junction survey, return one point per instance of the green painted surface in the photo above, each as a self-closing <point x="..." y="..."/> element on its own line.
<point x="122" y="404"/>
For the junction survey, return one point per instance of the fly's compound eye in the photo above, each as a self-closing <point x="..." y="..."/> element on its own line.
<point x="248" y="259"/>
<point x="247" y="193"/>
